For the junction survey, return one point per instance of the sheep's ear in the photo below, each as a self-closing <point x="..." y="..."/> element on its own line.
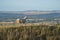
<point x="25" y="17"/>
<point x="20" y="21"/>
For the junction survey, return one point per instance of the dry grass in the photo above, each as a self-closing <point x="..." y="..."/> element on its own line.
<point x="30" y="32"/>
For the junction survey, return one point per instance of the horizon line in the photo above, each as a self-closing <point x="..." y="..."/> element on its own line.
<point x="30" y="10"/>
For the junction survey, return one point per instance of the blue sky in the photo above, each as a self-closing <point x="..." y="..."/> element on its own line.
<point x="23" y="5"/>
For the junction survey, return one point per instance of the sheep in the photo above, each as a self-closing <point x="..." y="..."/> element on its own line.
<point x="21" y="20"/>
<point x="18" y="21"/>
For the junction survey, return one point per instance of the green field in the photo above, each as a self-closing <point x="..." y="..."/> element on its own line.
<point x="30" y="32"/>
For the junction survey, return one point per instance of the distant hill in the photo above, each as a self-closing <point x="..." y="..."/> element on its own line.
<point x="38" y="14"/>
<point x="30" y="12"/>
<point x="50" y="15"/>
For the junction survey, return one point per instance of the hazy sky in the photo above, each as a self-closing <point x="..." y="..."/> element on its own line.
<point x="22" y="5"/>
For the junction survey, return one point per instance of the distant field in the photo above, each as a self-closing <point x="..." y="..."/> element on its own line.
<point x="30" y="31"/>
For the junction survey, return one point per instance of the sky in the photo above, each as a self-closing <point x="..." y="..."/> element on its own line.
<point x="23" y="5"/>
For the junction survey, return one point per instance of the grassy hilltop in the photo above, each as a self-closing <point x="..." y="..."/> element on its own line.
<point x="30" y="32"/>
